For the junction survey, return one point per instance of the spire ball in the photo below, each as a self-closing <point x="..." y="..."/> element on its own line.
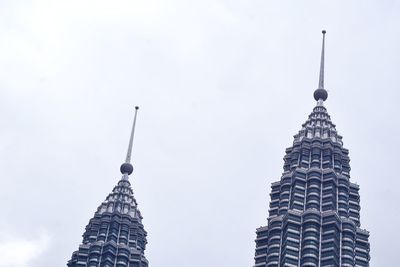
<point x="320" y="94"/>
<point x="323" y="31"/>
<point x="126" y="168"/>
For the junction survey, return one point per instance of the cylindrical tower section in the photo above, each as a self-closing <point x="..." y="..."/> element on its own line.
<point x="275" y="197"/>
<point x="291" y="239"/>
<point x="274" y="242"/>
<point x="316" y="155"/>
<point x="298" y="191"/>
<point x="330" y="243"/>
<point x="362" y="248"/>
<point x="354" y="203"/>
<point x="348" y="243"/>
<point x="286" y="183"/>
<point x="329" y="191"/>
<point x="313" y="198"/>
<point x="310" y="238"/>
<point x="343" y="196"/>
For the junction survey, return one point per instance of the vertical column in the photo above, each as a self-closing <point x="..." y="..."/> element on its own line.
<point x="362" y="248"/>
<point x="330" y="243"/>
<point x="261" y="246"/>
<point x="286" y="183"/>
<point x="310" y="238"/>
<point x="274" y="241"/>
<point x="315" y="156"/>
<point x="327" y="157"/>
<point x="291" y="239"/>
<point x="329" y="191"/>
<point x="108" y="255"/>
<point x="298" y="189"/>
<point x="313" y="190"/>
<point x="305" y="157"/>
<point x="354" y="203"/>
<point x="337" y="159"/>
<point x="94" y="255"/>
<point x="348" y="243"/>
<point x="275" y="196"/>
<point x="123" y="256"/>
<point x="343" y="196"/>
<point x="287" y="160"/>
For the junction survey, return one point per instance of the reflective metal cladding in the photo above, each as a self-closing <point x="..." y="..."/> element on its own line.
<point x="314" y="213"/>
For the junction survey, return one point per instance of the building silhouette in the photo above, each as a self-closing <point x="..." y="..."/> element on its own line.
<point x="115" y="236"/>
<point x="314" y="213"/>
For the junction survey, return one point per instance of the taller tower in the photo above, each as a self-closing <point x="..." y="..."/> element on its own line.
<point x="314" y="214"/>
<point x="115" y="236"/>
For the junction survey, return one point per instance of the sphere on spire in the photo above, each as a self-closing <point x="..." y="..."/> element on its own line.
<point x="126" y="168"/>
<point x="320" y="94"/>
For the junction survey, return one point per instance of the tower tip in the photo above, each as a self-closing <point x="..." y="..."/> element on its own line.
<point x="321" y="93"/>
<point x="126" y="167"/>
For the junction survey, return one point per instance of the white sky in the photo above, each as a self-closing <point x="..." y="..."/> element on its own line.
<point x="222" y="85"/>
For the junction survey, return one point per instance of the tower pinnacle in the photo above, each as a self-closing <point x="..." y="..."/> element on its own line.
<point x="126" y="167"/>
<point x="115" y="235"/>
<point x="321" y="93"/>
<point x="314" y="215"/>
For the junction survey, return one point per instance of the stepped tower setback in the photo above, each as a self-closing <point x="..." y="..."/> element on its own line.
<point x="314" y="213"/>
<point x="115" y="236"/>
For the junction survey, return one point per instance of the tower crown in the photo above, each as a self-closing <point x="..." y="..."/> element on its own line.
<point x="314" y="214"/>
<point x="115" y="236"/>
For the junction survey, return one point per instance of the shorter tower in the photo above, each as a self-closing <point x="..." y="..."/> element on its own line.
<point x="115" y="236"/>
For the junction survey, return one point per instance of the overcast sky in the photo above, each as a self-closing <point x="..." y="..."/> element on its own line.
<point x="223" y="86"/>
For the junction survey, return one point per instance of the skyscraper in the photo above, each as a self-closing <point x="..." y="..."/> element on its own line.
<point x="314" y="213"/>
<point x="115" y="236"/>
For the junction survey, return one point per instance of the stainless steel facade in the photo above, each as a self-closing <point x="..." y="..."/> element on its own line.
<point x="314" y="213"/>
<point x="115" y="236"/>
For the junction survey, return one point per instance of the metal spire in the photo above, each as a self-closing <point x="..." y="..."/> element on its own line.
<point x="320" y="95"/>
<point x="129" y="153"/>
<point x="321" y="70"/>
<point x="127" y="168"/>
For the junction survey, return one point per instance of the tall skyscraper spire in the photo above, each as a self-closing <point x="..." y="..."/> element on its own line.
<point x="314" y="213"/>
<point x="129" y="153"/>
<point x="321" y="70"/>
<point x="321" y="93"/>
<point x="126" y="167"/>
<point x="115" y="236"/>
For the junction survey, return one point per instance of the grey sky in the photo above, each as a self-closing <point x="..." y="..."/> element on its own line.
<point x="222" y="85"/>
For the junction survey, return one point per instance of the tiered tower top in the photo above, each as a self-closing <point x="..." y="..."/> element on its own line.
<point x="115" y="236"/>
